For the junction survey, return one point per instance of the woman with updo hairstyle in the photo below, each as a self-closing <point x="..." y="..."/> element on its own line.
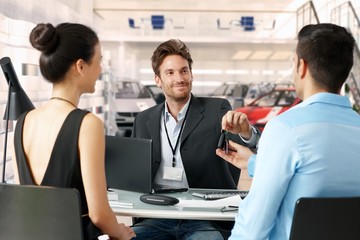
<point x="60" y="145"/>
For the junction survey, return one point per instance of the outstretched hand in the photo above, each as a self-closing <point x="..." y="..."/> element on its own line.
<point x="237" y="155"/>
<point x="237" y="123"/>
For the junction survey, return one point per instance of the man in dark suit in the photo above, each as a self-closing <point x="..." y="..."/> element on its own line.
<point x="185" y="131"/>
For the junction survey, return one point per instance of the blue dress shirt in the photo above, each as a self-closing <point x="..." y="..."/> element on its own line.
<point x="311" y="150"/>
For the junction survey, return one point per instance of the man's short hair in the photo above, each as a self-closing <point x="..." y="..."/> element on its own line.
<point x="328" y="51"/>
<point x="170" y="47"/>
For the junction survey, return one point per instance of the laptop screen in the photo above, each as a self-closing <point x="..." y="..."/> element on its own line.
<point x="128" y="163"/>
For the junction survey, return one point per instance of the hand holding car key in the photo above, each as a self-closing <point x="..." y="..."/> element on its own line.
<point x="233" y="152"/>
<point x="223" y="142"/>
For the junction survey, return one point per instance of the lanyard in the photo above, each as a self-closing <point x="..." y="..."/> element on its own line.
<point x="178" y="137"/>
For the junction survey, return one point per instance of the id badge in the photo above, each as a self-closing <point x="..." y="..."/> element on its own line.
<point x="171" y="173"/>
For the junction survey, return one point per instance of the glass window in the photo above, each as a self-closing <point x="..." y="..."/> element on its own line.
<point x="220" y="90"/>
<point x="287" y="98"/>
<point x="268" y="100"/>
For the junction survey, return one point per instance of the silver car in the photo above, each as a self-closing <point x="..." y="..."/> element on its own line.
<point x="130" y="99"/>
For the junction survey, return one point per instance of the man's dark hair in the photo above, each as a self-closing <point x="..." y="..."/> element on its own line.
<point x="170" y="47"/>
<point x="328" y="51"/>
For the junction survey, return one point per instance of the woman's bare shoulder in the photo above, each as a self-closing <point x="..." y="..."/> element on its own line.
<point x="92" y="123"/>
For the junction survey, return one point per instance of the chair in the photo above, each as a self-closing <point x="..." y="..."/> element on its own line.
<point x="132" y="23"/>
<point x="158" y="21"/>
<point x="326" y="218"/>
<point x="39" y="213"/>
<point x="247" y="22"/>
<point x="219" y="25"/>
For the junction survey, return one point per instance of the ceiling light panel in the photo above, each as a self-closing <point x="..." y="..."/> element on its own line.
<point x="281" y="55"/>
<point x="260" y="55"/>
<point x="241" y="55"/>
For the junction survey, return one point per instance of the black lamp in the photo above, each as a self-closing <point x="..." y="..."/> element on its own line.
<point x="17" y="103"/>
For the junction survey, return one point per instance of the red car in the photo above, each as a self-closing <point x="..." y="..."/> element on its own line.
<point x="267" y="106"/>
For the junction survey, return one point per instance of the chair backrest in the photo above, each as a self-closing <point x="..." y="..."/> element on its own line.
<point x="131" y="23"/>
<point x="37" y="213"/>
<point x="158" y="21"/>
<point x="248" y="23"/>
<point x="326" y="218"/>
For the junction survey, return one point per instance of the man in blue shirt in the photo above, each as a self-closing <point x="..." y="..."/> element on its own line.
<point x="299" y="153"/>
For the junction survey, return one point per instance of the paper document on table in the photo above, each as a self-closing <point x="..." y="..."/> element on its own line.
<point x="112" y="196"/>
<point x="229" y="201"/>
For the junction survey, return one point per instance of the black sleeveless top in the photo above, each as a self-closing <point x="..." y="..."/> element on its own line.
<point x="64" y="168"/>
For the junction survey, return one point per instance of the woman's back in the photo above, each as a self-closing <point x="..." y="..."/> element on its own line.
<point x="40" y="131"/>
<point x="50" y="164"/>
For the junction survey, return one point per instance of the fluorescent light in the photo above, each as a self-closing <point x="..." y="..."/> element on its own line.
<point x="147" y="82"/>
<point x="207" y="71"/>
<point x="236" y="72"/>
<point x="206" y="83"/>
<point x="146" y="70"/>
<point x="285" y="72"/>
<point x="267" y="72"/>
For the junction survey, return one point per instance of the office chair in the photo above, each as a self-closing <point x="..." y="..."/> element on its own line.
<point x="219" y="25"/>
<point x="132" y="23"/>
<point x="158" y="21"/>
<point x="247" y="22"/>
<point x="39" y="213"/>
<point x="326" y="218"/>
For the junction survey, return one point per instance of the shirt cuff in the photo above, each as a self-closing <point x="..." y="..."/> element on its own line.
<point x="253" y="138"/>
<point x="251" y="165"/>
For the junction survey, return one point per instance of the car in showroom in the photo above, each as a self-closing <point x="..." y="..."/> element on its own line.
<point x="155" y="92"/>
<point x="129" y="99"/>
<point x="241" y="94"/>
<point x="234" y="92"/>
<point x="269" y="105"/>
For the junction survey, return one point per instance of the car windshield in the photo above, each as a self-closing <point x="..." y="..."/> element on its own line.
<point x="131" y="90"/>
<point x="231" y="90"/>
<point x="287" y="98"/>
<point x="220" y="90"/>
<point x="276" y="98"/>
<point x="155" y="89"/>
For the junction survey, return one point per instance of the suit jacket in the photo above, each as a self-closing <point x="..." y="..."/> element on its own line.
<point x="203" y="168"/>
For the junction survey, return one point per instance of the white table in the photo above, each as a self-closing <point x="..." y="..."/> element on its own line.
<point x="136" y="208"/>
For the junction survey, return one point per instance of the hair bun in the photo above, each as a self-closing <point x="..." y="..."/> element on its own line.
<point x="44" y="37"/>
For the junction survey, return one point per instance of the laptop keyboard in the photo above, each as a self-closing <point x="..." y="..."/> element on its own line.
<point x="214" y="195"/>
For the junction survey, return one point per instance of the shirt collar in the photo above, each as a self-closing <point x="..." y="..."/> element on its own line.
<point x="329" y="98"/>
<point x="182" y="112"/>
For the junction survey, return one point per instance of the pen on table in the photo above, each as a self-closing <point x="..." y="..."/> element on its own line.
<point x="229" y="208"/>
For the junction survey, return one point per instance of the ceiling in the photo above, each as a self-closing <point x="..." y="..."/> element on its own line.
<point x="209" y="29"/>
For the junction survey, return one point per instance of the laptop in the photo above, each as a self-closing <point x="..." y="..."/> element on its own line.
<point x="128" y="164"/>
<point x="39" y="213"/>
